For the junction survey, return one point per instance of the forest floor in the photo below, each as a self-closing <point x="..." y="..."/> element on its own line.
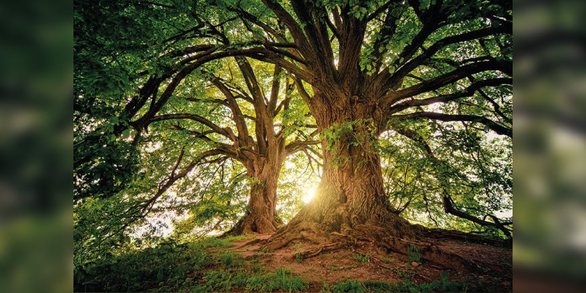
<point x="244" y="264"/>
<point x="367" y="267"/>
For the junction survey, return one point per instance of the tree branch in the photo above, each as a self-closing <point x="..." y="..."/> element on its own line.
<point x="447" y="200"/>
<point x="217" y="129"/>
<point x="296" y="146"/>
<point x="469" y="91"/>
<point x="496" y="127"/>
<point x="163" y="186"/>
<point x="400" y="73"/>
<point x="445" y="79"/>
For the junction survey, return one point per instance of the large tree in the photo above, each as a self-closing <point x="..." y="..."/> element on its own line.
<point x="127" y="79"/>
<point x="260" y="134"/>
<point x="362" y="67"/>
<point x="369" y="64"/>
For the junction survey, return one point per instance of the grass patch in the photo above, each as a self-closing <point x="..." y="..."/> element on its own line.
<point x="379" y="286"/>
<point x="443" y="284"/>
<point x="238" y="237"/>
<point x="223" y="281"/>
<point x="192" y="267"/>
<point x="209" y="242"/>
<point x="213" y="242"/>
<point x="228" y="258"/>
<point x="349" y="286"/>
<point x="220" y="280"/>
<point x="166" y="265"/>
<point x="413" y="253"/>
<point x="281" y="279"/>
<point x="362" y="258"/>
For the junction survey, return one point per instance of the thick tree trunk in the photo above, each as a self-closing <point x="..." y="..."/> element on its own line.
<point x="261" y="215"/>
<point x="350" y="197"/>
<point x="350" y="204"/>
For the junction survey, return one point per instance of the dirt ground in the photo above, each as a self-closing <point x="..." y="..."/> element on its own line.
<point x="365" y="262"/>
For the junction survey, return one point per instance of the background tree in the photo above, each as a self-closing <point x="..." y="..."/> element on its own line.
<point x="131" y="60"/>
<point x="262" y="132"/>
<point x="213" y="141"/>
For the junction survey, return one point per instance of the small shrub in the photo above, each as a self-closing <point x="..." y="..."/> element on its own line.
<point x="218" y="280"/>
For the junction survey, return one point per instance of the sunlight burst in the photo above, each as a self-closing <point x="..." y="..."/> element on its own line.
<point x="309" y="193"/>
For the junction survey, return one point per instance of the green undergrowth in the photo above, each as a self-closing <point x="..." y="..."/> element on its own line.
<point x="208" y="266"/>
<point x="229" y="280"/>
<point x="202" y="266"/>
<point x="440" y="285"/>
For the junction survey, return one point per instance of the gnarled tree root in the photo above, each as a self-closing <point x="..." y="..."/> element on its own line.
<point x="321" y="249"/>
<point x="428" y="246"/>
<point x="250" y="224"/>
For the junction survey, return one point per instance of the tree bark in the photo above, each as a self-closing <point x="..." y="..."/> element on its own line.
<point x="261" y="215"/>
<point x="351" y="194"/>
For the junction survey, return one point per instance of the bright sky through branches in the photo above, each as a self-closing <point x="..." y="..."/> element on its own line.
<point x="309" y="194"/>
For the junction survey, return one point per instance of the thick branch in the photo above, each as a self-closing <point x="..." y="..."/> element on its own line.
<point x="290" y="22"/>
<point x="469" y="91"/>
<point x="237" y="115"/>
<point x="496" y="127"/>
<point x="398" y="75"/>
<point x="445" y="79"/>
<point x="296" y="146"/>
<point x="194" y="117"/>
<point x="275" y="89"/>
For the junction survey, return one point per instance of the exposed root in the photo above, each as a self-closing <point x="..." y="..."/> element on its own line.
<point x="321" y="249"/>
<point x="424" y="246"/>
<point x="436" y="254"/>
<point x="251" y="242"/>
<point x="302" y="231"/>
<point x="250" y="224"/>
